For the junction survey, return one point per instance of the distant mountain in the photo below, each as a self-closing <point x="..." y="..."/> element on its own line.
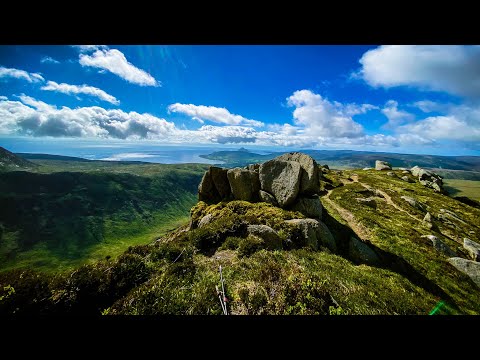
<point x="9" y="160"/>
<point x="31" y="156"/>
<point x="354" y="159"/>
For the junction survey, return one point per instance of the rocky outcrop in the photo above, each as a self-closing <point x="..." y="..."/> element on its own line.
<point x="281" y="179"/>
<point x="407" y="179"/>
<point x="311" y="207"/>
<point x="428" y="178"/>
<point x="268" y="198"/>
<point x="309" y="171"/>
<point x="391" y="173"/>
<point x="382" y="165"/>
<point x="267" y="234"/>
<point x="244" y="184"/>
<point x="313" y="233"/>
<point x="468" y="267"/>
<point x="473" y="249"/>
<point x="206" y="189"/>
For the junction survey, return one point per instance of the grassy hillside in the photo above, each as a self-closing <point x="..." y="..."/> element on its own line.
<point x="66" y="213"/>
<point x="11" y="161"/>
<point x="178" y="273"/>
<point x="468" y="188"/>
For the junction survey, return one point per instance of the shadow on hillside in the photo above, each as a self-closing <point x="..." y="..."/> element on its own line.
<point x="388" y="261"/>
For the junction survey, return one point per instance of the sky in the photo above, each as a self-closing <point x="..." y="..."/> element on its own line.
<point x="395" y="98"/>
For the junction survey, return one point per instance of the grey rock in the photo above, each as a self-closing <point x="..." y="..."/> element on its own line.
<point x="391" y="173"/>
<point x="368" y="202"/>
<point x="220" y="181"/>
<point x="468" y="267"/>
<point x="310" y="207"/>
<point x="415" y="170"/>
<point x="206" y="189"/>
<point x="253" y="167"/>
<point x="309" y="179"/>
<point x="362" y="253"/>
<point x="207" y="219"/>
<point x="407" y="179"/>
<point x="413" y="203"/>
<point x="314" y="233"/>
<point x="447" y="214"/>
<point x="428" y="217"/>
<point x="435" y="186"/>
<point x="406" y="172"/>
<point x="403" y="169"/>
<point x="382" y="165"/>
<point x="473" y="248"/>
<point x="428" y="178"/>
<point x="367" y="168"/>
<point x="268" y="198"/>
<point x="440" y="246"/>
<point x="267" y="234"/>
<point x="325" y="237"/>
<point x="244" y="184"/>
<point x="281" y="179"/>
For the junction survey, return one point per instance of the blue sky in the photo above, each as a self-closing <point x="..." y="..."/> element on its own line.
<point x="413" y="99"/>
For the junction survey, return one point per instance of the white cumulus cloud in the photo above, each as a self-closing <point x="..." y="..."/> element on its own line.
<point x="454" y="69"/>
<point x="395" y="116"/>
<point x="201" y="113"/>
<point x="115" y="61"/>
<point x="80" y="89"/>
<point x="20" y="74"/>
<point x="324" y="118"/>
<point x="89" y="48"/>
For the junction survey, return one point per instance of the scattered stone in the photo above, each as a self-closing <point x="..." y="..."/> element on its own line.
<point x="428" y="217"/>
<point x="244" y="184"/>
<point x="207" y="219"/>
<point x="407" y="179"/>
<point x="427" y="221"/>
<point x="267" y="234"/>
<point x="406" y="172"/>
<point x="268" y="198"/>
<point x="473" y="248"/>
<point x="413" y="203"/>
<point x="391" y="173"/>
<point x="281" y="179"/>
<point x="444" y="213"/>
<point x="310" y="207"/>
<point x="468" y="267"/>
<point x="382" y="165"/>
<point x="368" y="201"/>
<point x="367" y="168"/>
<point x="309" y="174"/>
<point x="362" y="253"/>
<point x="440" y="246"/>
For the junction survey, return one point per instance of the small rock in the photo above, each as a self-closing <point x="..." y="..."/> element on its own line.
<point x="407" y="179"/>
<point x="268" y="198"/>
<point x="451" y="215"/>
<point x="391" y="173"/>
<point x="468" y="267"/>
<point x="440" y="246"/>
<point x="205" y="220"/>
<point x="428" y="217"/>
<point x="367" y="168"/>
<point x="267" y="234"/>
<point x="473" y="248"/>
<point x="382" y="165"/>
<point x="368" y="201"/>
<point x="403" y="169"/>
<point x="362" y="253"/>
<point x="413" y="203"/>
<point x="406" y="172"/>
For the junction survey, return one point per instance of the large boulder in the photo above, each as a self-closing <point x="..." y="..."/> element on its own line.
<point x="362" y="253"/>
<point x="206" y="189"/>
<point x="308" y="206"/>
<point x="267" y="234"/>
<point x="244" y="184"/>
<point x="281" y="179"/>
<point x="309" y="178"/>
<point x="428" y="178"/>
<point x="382" y="165"/>
<point x="313" y="233"/>
<point x="468" y="267"/>
<point x="220" y="181"/>
<point x="473" y="248"/>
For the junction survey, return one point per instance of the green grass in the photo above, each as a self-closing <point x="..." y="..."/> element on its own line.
<point x="468" y="188"/>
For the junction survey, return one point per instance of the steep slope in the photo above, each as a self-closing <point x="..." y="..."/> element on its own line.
<point x="9" y="160"/>
<point x="383" y="261"/>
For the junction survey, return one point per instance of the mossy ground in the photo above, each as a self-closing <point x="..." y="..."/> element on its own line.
<point x="178" y="273"/>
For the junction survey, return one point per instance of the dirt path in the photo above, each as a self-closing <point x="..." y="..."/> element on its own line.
<point x="362" y="232"/>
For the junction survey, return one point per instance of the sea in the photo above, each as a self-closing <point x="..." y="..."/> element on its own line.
<point x="109" y="150"/>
